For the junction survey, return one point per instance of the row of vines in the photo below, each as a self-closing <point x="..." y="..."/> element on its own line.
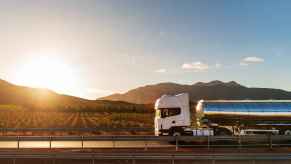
<point x="53" y="119"/>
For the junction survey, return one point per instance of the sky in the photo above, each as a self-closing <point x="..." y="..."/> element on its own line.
<point x="94" y="48"/>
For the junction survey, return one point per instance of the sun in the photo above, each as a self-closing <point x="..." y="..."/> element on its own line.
<point x="48" y="73"/>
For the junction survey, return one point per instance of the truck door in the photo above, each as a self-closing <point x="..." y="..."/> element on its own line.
<point x="170" y="117"/>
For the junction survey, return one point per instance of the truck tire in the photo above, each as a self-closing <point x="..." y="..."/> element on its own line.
<point x="176" y="131"/>
<point x="176" y="134"/>
<point x="222" y="131"/>
<point x="287" y="132"/>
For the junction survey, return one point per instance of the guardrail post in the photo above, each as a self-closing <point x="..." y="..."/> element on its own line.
<point x="113" y="142"/>
<point x="93" y="159"/>
<point x="177" y="143"/>
<point x="50" y="142"/>
<point x="146" y="145"/>
<point x="213" y="161"/>
<point x="18" y="138"/>
<point x="270" y="141"/>
<point x="239" y="141"/>
<point x="208" y="142"/>
<point x="173" y="159"/>
<point x="82" y="142"/>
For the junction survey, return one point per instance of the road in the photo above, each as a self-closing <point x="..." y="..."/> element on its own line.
<point x="86" y="144"/>
<point x="92" y="157"/>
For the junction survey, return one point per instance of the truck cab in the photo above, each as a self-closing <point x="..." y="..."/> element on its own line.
<point x="172" y="115"/>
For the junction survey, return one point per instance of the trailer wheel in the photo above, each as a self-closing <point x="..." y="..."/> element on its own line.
<point x="287" y="132"/>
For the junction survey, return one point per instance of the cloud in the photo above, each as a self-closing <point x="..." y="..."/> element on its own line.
<point x="251" y="60"/>
<point x="196" y="66"/>
<point x="162" y="70"/>
<point x="218" y="65"/>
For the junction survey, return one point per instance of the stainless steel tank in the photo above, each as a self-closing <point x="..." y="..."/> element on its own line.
<point x="223" y="110"/>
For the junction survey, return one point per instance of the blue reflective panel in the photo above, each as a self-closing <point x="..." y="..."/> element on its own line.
<point x="210" y="107"/>
<point x="283" y="107"/>
<point x="254" y="107"/>
<point x="263" y="107"/>
<point x="235" y="107"/>
<point x="248" y="107"/>
<point x="288" y="106"/>
<point x="243" y="107"/>
<point x="228" y="107"/>
<point x="277" y="107"/>
<point x="268" y="107"/>
<point x="274" y="107"/>
<point x="222" y="108"/>
<point x="216" y="108"/>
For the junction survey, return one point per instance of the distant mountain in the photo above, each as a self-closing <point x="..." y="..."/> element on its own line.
<point x="43" y="99"/>
<point x="18" y="95"/>
<point x="213" y="90"/>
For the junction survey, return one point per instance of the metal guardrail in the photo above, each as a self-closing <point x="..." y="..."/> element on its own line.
<point x="205" y="141"/>
<point x="181" y="156"/>
<point x="85" y="138"/>
<point x="184" y="141"/>
<point x="78" y="129"/>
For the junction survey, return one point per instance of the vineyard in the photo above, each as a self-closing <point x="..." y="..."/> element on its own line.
<point x="16" y="117"/>
<point x="73" y="120"/>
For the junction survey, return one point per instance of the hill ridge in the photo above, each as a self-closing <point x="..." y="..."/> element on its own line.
<point x="212" y="90"/>
<point x="45" y="99"/>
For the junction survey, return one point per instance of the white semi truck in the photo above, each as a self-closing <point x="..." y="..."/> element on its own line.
<point x="173" y="117"/>
<point x="221" y="117"/>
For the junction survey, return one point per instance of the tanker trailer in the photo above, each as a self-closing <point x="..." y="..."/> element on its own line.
<point x="246" y="117"/>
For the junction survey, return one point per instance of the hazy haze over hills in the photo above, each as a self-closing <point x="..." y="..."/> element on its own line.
<point x="213" y="90"/>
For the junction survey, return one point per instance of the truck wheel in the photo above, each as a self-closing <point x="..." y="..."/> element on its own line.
<point x="176" y="134"/>
<point x="287" y="132"/>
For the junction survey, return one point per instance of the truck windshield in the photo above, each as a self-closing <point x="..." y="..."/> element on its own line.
<point x="168" y="112"/>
